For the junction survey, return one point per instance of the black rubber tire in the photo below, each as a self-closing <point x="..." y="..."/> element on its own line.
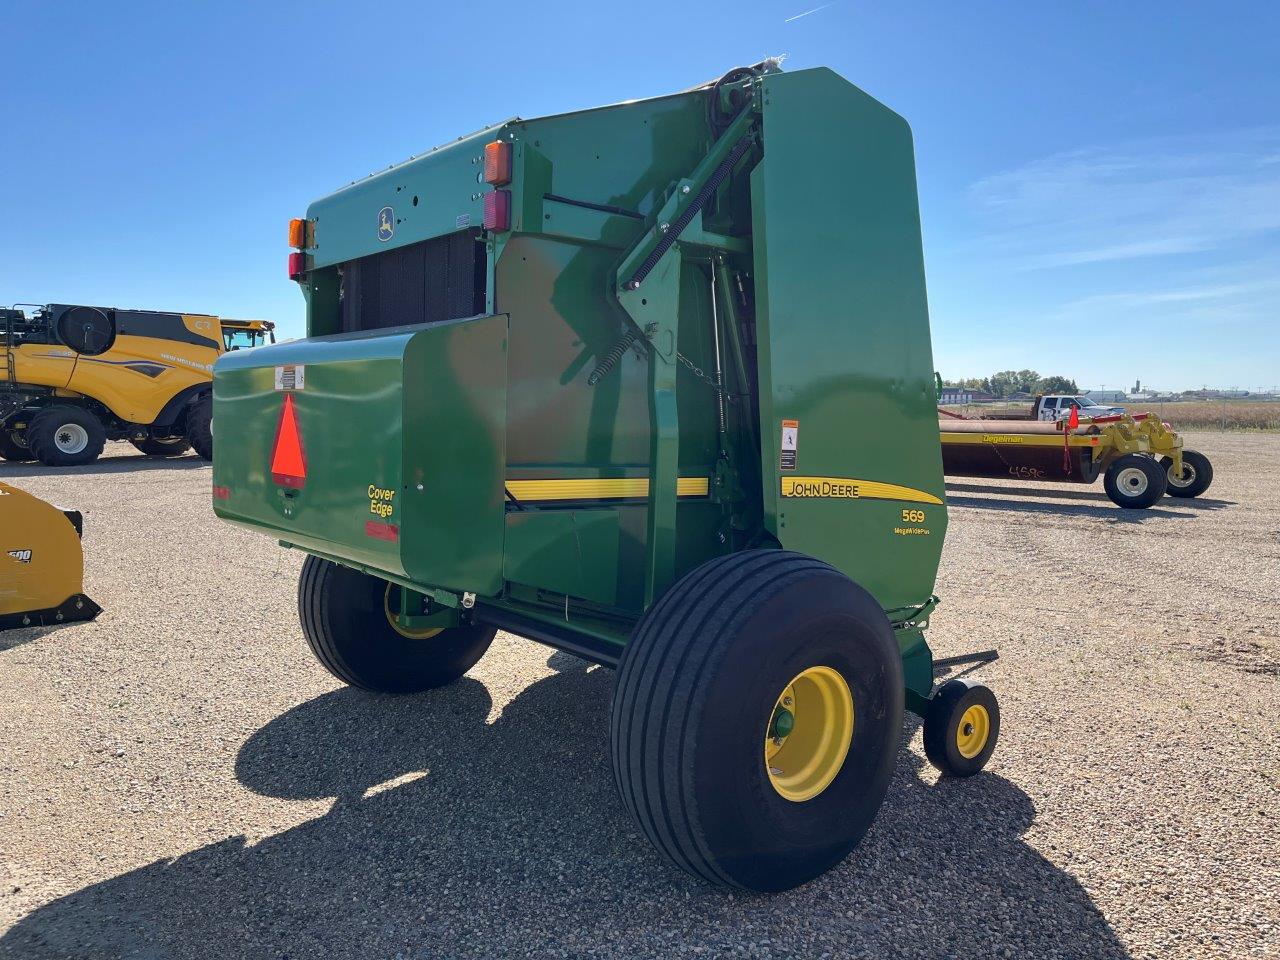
<point x="696" y="689"/>
<point x="200" y="427"/>
<point x="1199" y="468"/>
<point x="344" y="620"/>
<point x="942" y="718"/>
<point x="153" y="447"/>
<point x="13" y="451"/>
<point x="44" y="427"/>
<point x="1152" y="491"/>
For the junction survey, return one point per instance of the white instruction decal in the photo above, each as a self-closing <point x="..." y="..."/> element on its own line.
<point x="291" y="376"/>
<point x="790" y="444"/>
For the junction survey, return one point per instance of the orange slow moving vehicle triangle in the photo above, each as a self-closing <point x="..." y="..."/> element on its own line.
<point x="288" y="462"/>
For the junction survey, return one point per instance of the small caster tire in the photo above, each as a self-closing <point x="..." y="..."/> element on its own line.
<point x="1135" y="481"/>
<point x="961" y="727"/>
<point x="1197" y="474"/>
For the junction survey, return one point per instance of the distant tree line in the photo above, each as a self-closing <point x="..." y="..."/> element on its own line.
<point x="1008" y="382"/>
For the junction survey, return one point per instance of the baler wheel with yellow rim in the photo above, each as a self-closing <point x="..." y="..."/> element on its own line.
<point x="756" y="719"/>
<point x="348" y="620"/>
<point x="961" y="727"/>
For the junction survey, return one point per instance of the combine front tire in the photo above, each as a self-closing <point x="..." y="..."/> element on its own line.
<point x="1197" y="474"/>
<point x="12" y="450"/>
<point x="200" y="427"/>
<point x="346" y="622"/>
<point x="961" y="727"/>
<point x="65" y="436"/>
<point x="756" y="718"/>
<point x="155" y="447"/>
<point x="1135" y="481"/>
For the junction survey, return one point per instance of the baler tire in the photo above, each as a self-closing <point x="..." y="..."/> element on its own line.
<point x="1201" y="474"/>
<point x="1154" y="481"/>
<point x="951" y="748"/>
<point x="154" y="447"/>
<point x="49" y="423"/>
<point x="698" y="694"/>
<point x="12" y="450"/>
<point x="345" y="624"/>
<point x="200" y="427"/>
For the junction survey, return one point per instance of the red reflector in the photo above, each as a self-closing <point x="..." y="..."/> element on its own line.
<point x="382" y="531"/>
<point x="288" y="462"/>
<point x="297" y="265"/>
<point x="222" y="493"/>
<point x="497" y="163"/>
<point x="497" y="210"/>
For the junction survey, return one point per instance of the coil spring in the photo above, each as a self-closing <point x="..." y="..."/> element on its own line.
<point x="610" y="359"/>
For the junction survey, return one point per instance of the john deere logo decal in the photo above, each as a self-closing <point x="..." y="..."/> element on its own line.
<point x="386" y="223"/>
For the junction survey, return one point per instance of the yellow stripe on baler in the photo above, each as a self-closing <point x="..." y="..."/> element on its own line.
<point x="601" y="488"/>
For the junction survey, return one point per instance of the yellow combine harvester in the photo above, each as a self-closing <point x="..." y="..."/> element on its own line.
<point x="41" y="563"/>
<point x="77" y="376"/>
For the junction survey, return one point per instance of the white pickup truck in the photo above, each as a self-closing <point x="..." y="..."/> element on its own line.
<point x="1058" y="406"/>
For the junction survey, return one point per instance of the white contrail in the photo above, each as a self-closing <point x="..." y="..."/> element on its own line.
<point x="807" y="12"/>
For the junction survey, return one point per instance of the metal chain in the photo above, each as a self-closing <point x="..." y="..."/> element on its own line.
<point x="706" y="378"/>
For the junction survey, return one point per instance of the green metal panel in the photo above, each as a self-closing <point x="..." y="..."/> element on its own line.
<point x="404" y="438"/>
<point x="572" y="552"/>
<point x="430" y="195"/>
<point x="844" y="336"/>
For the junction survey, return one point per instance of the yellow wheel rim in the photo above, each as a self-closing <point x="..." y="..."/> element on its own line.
<point x="973" y="731"/>
<point x="393" y="593"/>
<point x="808" y="734"/>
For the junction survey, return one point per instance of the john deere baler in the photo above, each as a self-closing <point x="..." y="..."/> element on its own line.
<point x="650" y="383"/>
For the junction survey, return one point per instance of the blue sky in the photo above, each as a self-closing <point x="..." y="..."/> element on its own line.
<point x="1099" y="182"/>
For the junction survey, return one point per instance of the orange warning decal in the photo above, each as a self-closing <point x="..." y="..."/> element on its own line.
<point x="288" y="461"/>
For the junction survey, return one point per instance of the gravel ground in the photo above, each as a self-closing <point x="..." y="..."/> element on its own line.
<point x="180" y="779"/>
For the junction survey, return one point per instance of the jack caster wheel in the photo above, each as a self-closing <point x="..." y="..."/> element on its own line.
<point x="961" y="727"/>
<point x="1197" y="474"/>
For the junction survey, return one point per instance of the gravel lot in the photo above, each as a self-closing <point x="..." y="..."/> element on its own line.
<point x="180" y="779"/>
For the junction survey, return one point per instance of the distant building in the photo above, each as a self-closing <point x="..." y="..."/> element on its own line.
<point x="1105" y="396"/>
<point x="954" y="395"/>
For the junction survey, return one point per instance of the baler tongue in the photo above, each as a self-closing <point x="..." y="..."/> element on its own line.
<point x="41" y="563"/>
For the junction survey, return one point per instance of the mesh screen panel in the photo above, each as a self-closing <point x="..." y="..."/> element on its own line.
<point x="439" y="279"/>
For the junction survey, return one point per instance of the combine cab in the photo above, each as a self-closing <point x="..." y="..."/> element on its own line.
<point x="591" y="378"/>
<point x="76" y="377"/>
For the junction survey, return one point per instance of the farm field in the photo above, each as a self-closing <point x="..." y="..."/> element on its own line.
<point x="180" y="779"/>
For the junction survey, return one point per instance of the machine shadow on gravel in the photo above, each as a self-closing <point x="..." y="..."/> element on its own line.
<point x="1109" y="512"/>
<point x="105" y="465"/>
<point x="454" y="833"/>
<point x="1196" y="503"/>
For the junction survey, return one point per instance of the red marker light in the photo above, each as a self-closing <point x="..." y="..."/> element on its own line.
<point x="288" y="461"/>
<point x="297" y="265"/>
<point x="497" y="210"/>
